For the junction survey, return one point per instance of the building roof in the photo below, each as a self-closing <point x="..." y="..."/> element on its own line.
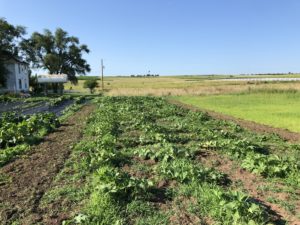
<point x="52" y="78"/>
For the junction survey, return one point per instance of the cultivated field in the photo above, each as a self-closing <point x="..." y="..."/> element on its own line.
<point x="143" y="160"/>
<point x="152" y="160"/>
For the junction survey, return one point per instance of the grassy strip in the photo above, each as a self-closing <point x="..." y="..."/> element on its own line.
<point x="277" y="108"/>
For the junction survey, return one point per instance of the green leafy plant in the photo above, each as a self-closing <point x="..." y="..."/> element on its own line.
<point x="119" y="184"/>
<point x="184" y="171"/>
<point x="22" y="130"/>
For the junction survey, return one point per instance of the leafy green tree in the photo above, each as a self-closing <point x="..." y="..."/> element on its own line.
<point x="57" y="52"/>
<point x="10" y="36"/>
<point x="90" y="84"/>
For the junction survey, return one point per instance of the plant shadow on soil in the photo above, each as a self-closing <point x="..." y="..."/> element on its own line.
<point x="275" y="217"/>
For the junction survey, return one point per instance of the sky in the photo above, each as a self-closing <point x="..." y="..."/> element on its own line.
<point x="172" y="37"/>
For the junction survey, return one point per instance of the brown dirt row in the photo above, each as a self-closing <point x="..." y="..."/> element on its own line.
<point x="31" y="175"/>
<point x="256" y="127"/>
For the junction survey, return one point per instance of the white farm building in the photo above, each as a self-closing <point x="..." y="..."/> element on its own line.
<point x="18" y="75"/>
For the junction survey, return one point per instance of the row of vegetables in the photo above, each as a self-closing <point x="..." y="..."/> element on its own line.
<point x="22" y="129"/>
<point x="135" y="130"/>
<point x="19" y="132"/>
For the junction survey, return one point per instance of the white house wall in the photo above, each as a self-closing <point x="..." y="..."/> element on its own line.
<point x="11" y="77"/>
<point x="16" y="76"/>
<point x="22" y="75"/>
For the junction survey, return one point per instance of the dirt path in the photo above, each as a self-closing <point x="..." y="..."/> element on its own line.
<point x="30" y="176"/>
<point x="260" y="128"/>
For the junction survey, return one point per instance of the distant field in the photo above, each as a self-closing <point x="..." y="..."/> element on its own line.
<point x="277" y="109"/>
<point x="182" y="85"/>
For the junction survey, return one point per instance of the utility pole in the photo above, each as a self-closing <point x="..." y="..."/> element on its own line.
<point x="102" y="68"/>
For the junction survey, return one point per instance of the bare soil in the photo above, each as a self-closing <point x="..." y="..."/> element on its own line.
<point x="285" y="134"/>
<point x="31" y="175"/>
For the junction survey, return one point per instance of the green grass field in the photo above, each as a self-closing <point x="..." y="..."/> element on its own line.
<point x="278" y="109"/>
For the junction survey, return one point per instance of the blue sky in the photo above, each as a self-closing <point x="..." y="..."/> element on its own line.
<point x="172" y="37"/>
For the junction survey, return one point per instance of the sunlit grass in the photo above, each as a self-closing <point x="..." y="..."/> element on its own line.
<point x="277" y="109"/>
<point x="177" y="86"/>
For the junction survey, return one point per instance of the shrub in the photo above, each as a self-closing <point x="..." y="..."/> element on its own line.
<point x="90" y="84"/>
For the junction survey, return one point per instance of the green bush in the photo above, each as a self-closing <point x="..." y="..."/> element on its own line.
<point x="90" y="84"/>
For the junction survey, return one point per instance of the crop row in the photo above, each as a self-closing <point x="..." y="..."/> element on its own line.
<point x="19" y="132"/>
<point x="256" y="155"/>
<point x="21" y="129"/>
<point x="131" y="132"/>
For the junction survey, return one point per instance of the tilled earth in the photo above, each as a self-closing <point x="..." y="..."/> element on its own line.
<point x="30" y="176"/>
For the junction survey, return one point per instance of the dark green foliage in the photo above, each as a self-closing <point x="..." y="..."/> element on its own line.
<point x="56" y="52"/>
<point x="9" y="35"/>
<point x="21" y="129"/>
<point x="9" y="45"/>
<point x="35" y="87"/>
<point x="88" y="78"/>
<point x="3" y="73"/>
<point x="90" y="84"/>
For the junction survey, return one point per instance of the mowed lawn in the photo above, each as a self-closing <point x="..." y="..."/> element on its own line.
<point x="278" y="109"/>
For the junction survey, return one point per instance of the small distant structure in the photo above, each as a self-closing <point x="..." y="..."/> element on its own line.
<point x="18" y="75"/>
<point x="52" y="82"/>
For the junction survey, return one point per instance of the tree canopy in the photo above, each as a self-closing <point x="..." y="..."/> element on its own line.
<point x="56" y="52"/>
<point x="10" y="36"/>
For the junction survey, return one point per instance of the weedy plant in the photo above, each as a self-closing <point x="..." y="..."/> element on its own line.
<point x="184" y="171"/>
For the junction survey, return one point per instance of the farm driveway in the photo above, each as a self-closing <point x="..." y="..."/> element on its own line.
<point x="29" y="177"/>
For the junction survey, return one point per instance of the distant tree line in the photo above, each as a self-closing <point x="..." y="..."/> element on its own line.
<point x="56" y="52"/>
<point x="274" y="73"/>
<point x="88" y="78"/>
<point x="145" y="75"/>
